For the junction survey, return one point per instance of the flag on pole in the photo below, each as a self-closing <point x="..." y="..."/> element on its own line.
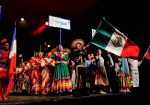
<point x="12" y="57"/>
<point x="147" y="55"/>
<point x="109" y="38"/>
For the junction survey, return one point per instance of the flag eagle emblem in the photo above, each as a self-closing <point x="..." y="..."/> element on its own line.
<point x="117" y="42"/>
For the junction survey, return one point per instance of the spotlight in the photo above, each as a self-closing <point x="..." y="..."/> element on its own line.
<point x="46" y="23"/>
<point x="48" y="45"/>
<point x="22" y="19"/>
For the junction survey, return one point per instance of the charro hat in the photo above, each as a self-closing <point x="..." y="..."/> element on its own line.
<point x="77" y="41"/>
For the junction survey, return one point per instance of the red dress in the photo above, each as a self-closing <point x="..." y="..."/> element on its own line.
<point x="4" y="63"/>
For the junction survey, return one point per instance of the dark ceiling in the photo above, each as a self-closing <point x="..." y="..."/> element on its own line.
<point x="129" y="17"/>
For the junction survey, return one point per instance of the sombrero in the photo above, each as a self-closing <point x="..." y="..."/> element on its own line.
<point x="77" y="41"/>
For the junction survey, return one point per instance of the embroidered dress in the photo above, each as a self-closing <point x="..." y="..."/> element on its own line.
<point x="47" y="75"/>
<point x="35" y="77"/>
<point x="45" y="86"/>
<point x="61" y="80"/>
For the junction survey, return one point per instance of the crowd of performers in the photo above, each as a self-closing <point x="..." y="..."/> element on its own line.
<point x="63" y="71"/>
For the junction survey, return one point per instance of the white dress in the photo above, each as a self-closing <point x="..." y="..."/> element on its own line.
<point x="101" y="77"/>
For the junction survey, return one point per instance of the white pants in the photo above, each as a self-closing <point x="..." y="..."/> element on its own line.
<point x="135" y="77"/>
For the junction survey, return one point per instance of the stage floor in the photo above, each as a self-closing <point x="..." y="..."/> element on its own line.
<point x="92" y="99"/>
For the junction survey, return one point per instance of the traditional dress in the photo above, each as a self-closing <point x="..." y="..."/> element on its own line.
<point x="46" y="75"/>
<point x="79" y="57"/>
<point x="45" y="82"/>
<point x="61" y="80"/>
<point x="73" y="75"/>
<point x="124" y="76"/>
<point x="35" y="77"/>
<point x="4" y="64"/>
<point x="101" y="75"/>
<point x="26" y="78"/>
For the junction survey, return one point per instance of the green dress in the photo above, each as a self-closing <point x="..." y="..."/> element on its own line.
<point x="61" y="80"/>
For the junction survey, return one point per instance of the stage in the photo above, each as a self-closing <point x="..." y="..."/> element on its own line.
<point x="115" y="98"/>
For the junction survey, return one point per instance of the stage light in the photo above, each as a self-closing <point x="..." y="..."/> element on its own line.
<point x="22" y="19"/>
<point x="39" y="29"/>
<point x="23" y="23"/>
<point x="46" y="23"/>
<point x="48" y="45"/>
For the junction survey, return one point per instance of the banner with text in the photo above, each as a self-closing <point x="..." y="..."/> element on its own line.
<point x="59" y="22"/>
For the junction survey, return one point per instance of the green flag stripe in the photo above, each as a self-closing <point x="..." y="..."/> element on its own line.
<point x="106" y="29"/>
<point x="103" y="35"/>
<point x="100" y="41"/>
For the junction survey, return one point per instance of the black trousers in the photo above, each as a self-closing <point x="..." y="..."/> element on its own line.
<point x="113" y="80"/>
<point x="81" y="71"/>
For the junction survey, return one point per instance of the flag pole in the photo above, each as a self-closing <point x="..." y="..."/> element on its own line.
<point x="40" y="48"/>
<point x="34" y="53"/>
<point x="98" y="26"/>
<point x="22" y="59"/>
<point x="45" y="43"/>
<point x="108" y="22"/>
<point x="45" y="47"/>
<point x="144" y="55"/>
<point x="60" y="49"/>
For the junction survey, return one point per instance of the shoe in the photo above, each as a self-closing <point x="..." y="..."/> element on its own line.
<point x="102" y="92"/>
<point x="5" y="98"/>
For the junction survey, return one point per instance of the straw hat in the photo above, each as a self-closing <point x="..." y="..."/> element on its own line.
<point x="77" y="41"/>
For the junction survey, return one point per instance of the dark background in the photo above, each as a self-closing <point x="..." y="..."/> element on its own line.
<point x="131" y="18"/>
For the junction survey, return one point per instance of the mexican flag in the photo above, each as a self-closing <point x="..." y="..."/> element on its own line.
<point x="110" y="39"/>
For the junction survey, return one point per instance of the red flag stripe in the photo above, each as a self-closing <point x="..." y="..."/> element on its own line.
<point x="147" y="56"/>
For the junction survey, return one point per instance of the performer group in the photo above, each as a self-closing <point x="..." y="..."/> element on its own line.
<point x="76" y="71"/>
